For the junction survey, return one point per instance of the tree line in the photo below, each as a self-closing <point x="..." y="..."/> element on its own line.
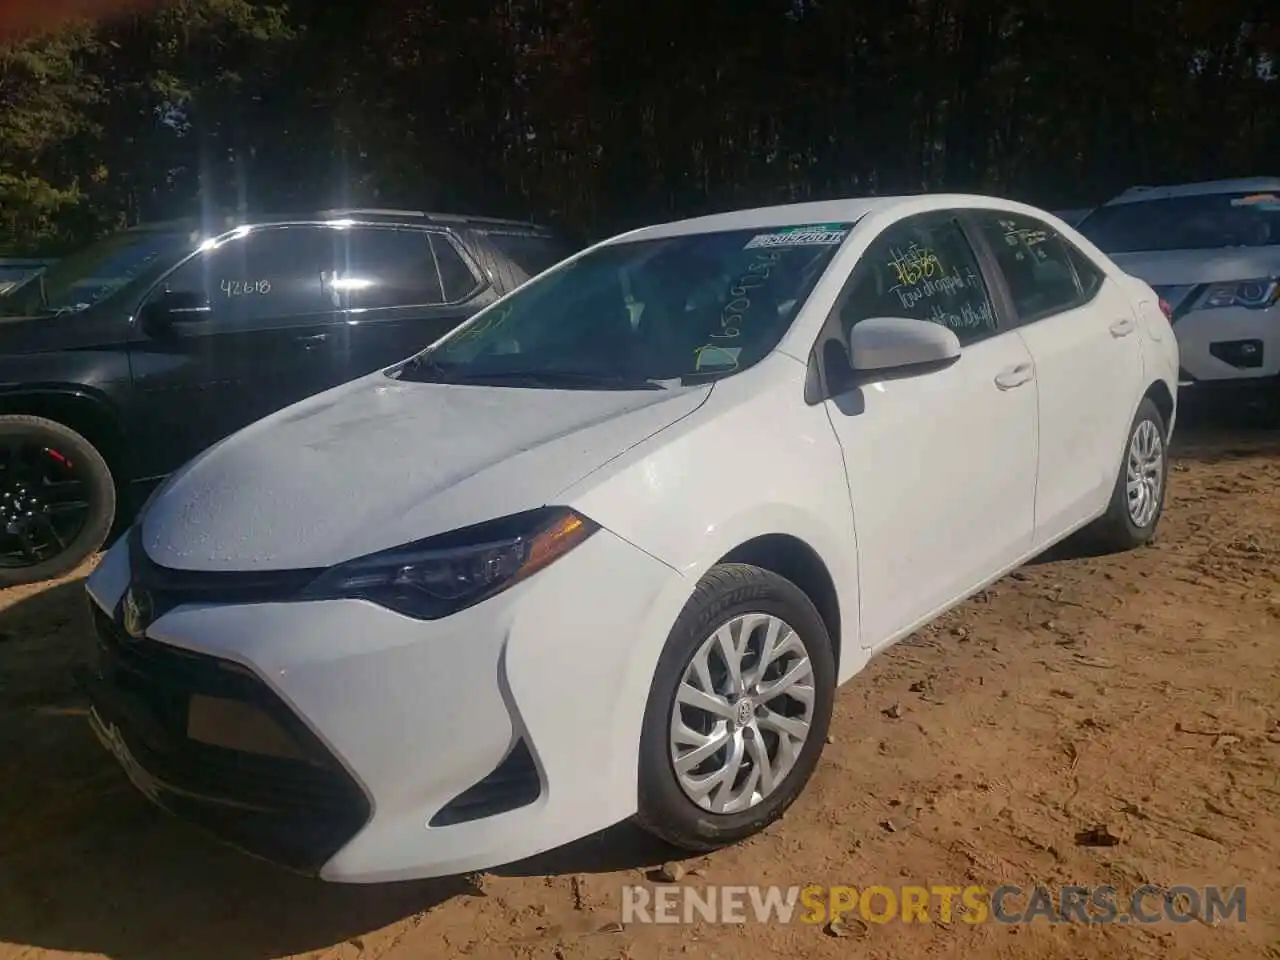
<point x="600" y="114"/>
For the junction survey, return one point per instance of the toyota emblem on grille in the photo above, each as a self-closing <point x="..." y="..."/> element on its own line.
<point x="137" y="612"/>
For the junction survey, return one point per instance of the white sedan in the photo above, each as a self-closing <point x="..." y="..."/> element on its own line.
<point x="606" y="550"/>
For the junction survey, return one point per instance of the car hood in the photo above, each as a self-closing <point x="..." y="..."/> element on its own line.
<point x="379" y="462"/>
<point x="1180" y="267"/>
<point x="24" y="336"/>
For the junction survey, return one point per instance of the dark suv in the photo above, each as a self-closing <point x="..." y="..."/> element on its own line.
<point x="129" y="357"/>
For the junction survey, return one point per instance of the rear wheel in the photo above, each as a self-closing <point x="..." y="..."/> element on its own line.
<point x="57" y="500"/>
<point x="738" y="710"/>
<point x="1138" y="498"/>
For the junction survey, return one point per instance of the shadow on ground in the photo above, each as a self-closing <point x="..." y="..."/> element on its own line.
<point x="1217" y="432"/>
<point x="1204" y="434"/>
<point x="88" y="866"/>
<point x="624" y="847"/>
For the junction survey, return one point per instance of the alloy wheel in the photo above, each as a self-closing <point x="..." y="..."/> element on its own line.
<point x="1144" y="474"/>
<point x="43" y="502"/>
<point x="742" y="713"/>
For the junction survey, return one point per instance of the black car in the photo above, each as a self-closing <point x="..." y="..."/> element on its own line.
<point x="131" y="356"/>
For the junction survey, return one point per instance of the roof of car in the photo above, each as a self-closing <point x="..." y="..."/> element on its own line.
<point x="1200" y="188"/>
<point x="825" y="212"/>
<point x="227" y="221"/>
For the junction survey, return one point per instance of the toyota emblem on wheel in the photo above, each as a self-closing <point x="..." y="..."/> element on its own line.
<point x="137" y="612"/>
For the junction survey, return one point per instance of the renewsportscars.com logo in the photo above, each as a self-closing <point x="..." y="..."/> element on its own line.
<point x="1007" y="904"/>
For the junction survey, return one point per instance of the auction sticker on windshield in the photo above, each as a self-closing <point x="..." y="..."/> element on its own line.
<point x="1262" y="201"/>
<point x="817" y="234"/>
<point x="714" y="357"/>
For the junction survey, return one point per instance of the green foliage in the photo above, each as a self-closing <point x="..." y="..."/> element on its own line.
<point x="44" y="103"/>
<point x="604" y="114"/>
<point x="99" y="128"/>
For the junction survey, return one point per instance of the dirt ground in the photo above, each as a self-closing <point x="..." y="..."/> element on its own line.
<point x="1138" y="692"/>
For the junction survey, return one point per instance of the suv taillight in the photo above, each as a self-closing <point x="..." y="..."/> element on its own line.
<point x="1166" y="309"/>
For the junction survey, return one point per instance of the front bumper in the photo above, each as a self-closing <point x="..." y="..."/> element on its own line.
<point x="343" y="739"/>
<point x="1228" y="344"/>
<point x="206" y="740"/>
<point x="1230" y="392"/>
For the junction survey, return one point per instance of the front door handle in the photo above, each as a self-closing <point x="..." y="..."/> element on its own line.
<point x="1014" y="376"/>
<point x="1123" y="327"/>
<point x="312" y="341"/>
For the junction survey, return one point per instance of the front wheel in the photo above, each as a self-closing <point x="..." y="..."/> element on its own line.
<point x="1137" y="501"/>
<point x="57" y="500"/>
<point x="738" y="711"/>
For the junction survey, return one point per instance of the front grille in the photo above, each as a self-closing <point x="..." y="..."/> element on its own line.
<point x="296" y="806"/>
<point x="169" y="587"/>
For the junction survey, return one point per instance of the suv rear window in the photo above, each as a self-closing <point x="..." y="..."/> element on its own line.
<point x="1204" y="222"/>
<point x="531" y="252"/>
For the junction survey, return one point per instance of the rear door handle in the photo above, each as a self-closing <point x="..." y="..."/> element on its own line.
<point x="1014" y="376"/>
<point x="312" y="341"/>
<point x="1123" y="327"/>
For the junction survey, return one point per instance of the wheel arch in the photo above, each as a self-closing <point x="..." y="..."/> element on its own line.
<point x="88" y="414"/>
<point x="795" y="560"/>
<point x="1160" y="395"/>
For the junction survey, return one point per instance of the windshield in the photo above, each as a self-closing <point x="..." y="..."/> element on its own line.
<point x="1201" y="222"/>
<point x="707" y="304"/>
<point x="531" y="252"/>
<point x="96" y="272"/>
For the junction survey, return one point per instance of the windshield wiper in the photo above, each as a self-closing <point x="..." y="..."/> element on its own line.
<point x="710" y="375"/>
<point x="423" y="363"/>
<point x="582" y="379"/>
<point x="424" y="368"/>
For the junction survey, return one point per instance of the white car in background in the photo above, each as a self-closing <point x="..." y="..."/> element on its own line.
<point x="607" y="549"/>
<point x="1073" y="217"/>
<point x="1212" y="252"/>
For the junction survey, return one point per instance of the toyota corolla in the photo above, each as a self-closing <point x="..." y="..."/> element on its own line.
<point x="607" y="549"/>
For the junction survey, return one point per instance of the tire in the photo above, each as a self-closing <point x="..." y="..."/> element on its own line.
<point x="1121" y="528"/>
<point x="729" y="592"/>
<point x="71" y="458"/>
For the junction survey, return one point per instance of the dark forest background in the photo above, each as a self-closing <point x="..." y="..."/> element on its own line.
<point x="600" y="114"/>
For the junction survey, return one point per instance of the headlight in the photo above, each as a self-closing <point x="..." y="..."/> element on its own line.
<point x="1254" y="294"/>
<point x="439" y="576"/>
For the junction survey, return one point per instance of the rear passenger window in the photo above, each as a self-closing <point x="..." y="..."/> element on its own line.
<point x="379" y="267"/>
<point x="1036" y="263"/>
<point x="456" y="277"/>
<point x="1088" y="273"/>
<point x="923" y="268"/>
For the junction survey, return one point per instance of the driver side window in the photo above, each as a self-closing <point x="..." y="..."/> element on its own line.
<point x="923" y="268"/>
<point x="272" y="277"/>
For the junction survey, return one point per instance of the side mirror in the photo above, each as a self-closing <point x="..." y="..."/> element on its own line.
<point x="893" y="347"/>
<point x="174" y="307"/>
